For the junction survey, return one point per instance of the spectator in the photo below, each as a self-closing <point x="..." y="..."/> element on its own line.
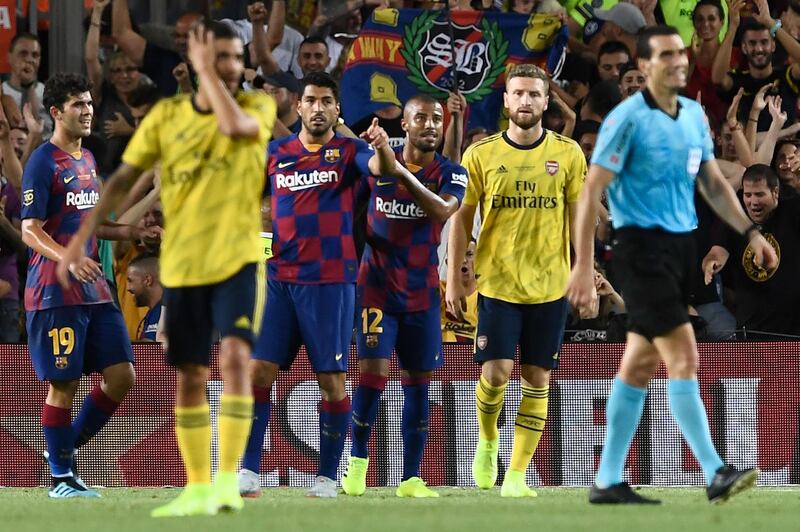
<point x="474" y="135"/>
<point x="159" y="64"/>
<point x="601" y="100"/>
<point x="12" y="169"/>
<point x="786" y="164"/>
<point x="621" y="22"/>
<point x="24" y="57"/>
<point x="285" y="89"/>
<point x="389" y="118"/>
<point x="114" y="123"/>
<point x="454" y="330"/>
<point x="141" y="100"/>
<point x="707" y="18"/>
<point x="10" y="240"/>
<point x="145" y="287"/>
<point x="631" y="80"/>
<point x="607" y="325"/>
<point x="522" y="7"/>
<point x="313" y="55"/>
<point x="611" y="58"/>
<point x="586" y="137"/>
<point x="790" y="20"/>
<point x="765" y="300"/>
<point x="758" y="47"/>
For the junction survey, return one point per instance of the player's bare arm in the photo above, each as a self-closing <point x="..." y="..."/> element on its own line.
<point x="85" y="269"/>
<point x="457" y="242"/>
<point x="437" y="206"/>
<point x="713" y="262"/>
<point x="580" y="290"/>
<point x="721" y="197"/>
<point x="116" y="189"/>
<point x="208" y="57"/>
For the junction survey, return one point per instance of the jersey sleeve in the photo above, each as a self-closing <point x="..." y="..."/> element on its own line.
<point x="454" y="181"/>
<point x="576" y="177"/>
<point x="144" y="148"/>
<point x="708" y="142"/>
<point x="263" y="109"/>
<point x="471" y="163"/>
<point x="37" y="180"/>
<point x="615" y="140"/>
<point x="364" y="153"/>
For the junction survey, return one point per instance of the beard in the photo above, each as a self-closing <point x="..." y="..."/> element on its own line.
<point x="760" y="61"/>
<point x="317" y="129"/>
<point x="525" y="121"/>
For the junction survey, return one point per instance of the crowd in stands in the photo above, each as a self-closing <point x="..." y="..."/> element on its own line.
<point x="744" y="69"/>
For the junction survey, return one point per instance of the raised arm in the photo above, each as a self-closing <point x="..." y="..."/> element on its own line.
<point x="91" y="50"/>
<point x="789" y="43"/>
<point x="767" y="148"/>
<point x="128" y="40"/>
<point x="257" y="14"/>
<point x="743" y="151"/>
<point x="759" y="103"/>
<point x="12" y="169"/>
<point x="277" y="20"/>
<point x="722" y="61"/>
<point x="35" y="130"/>
<point x="231" y="119"/>
<point x="454" y="134"/>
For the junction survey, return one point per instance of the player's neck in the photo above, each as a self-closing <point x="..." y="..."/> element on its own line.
<point x="308" y="139"/>
<point x="416" y="156"/>
<point x="66" y="142"/>
<point x="666" y="99"/>
<point x="524" y="137"/>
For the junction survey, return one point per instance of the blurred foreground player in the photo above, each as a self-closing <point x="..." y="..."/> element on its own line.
<point x="212" y="147"/>
<point x="651" y="151"/>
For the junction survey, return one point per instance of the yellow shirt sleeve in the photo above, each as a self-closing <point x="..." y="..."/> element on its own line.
<point x="576" y="176"/>
<point x="144" y="148"/>
<point x="471" y="162"/>
<point x="261" y="107"/>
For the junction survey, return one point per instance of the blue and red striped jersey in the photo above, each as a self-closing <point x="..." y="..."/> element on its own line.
<point x="399" y="269"/>
<point x="313" y="197"/>
<point x="60" y="189"/>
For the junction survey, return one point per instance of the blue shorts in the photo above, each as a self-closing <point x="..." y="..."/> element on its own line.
<point x="537" y="329"/>
<point x="67" y="342"/>
<point x="416" y="337"/>
<point x="319" y="316"/>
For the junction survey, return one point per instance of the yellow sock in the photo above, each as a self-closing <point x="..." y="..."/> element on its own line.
<point x="193" y="431"/>
<point x="235" y="418"/>
<point x="529" y="426"/>
<point x="488" y="402"/>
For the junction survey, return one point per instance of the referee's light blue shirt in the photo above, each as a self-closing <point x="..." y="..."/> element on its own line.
<point x="655" y="159"/>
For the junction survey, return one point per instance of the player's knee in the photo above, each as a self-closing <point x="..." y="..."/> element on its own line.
<point x="263" y="373"/>
<point x="61" y="393"/>
<point x="192" y="378"/>
<point x="332" y="386"/>
<point x="374" y="366"/>
<point x="120" y="381"/>
<point x="682" y="367"/>
<point x="497" y="372"/>
<point x="535" y="376"/>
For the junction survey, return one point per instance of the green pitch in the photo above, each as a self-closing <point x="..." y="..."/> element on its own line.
<point x="556" y="509"/>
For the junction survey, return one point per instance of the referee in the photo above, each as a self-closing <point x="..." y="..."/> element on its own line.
<point x="650" y="151"/>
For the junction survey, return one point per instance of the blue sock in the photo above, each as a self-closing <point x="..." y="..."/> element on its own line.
<point x="255" y="442"/>
<point x="690" y="414"/>
<point x="623" y="412"/>
<point x="97" y="409"/>
<point x="366" y="401"/>
<point x="414" y="424"/>
<point x="334" y="418"/>
<point x="58" y="434"/>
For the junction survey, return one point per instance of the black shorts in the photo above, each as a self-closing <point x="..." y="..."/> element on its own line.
<point x="232" y="307"/>
<point x="654" y="271"/>
<point x="537" y="329"/>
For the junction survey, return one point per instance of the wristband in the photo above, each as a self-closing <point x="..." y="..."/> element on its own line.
<point x="775" y="27"/>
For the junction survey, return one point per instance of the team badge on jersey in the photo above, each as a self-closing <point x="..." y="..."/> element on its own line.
<point x="551" y="167"/>
<point x="482" y="342"/>
<point x="62" y="362"/>
<point x="372" y="341"/>
<point x="332" y="155"/>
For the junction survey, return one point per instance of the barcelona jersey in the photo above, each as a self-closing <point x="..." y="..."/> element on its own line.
<point x="399" y="269"/>
<point x="60" y="189"/>
<point x="313" y="197"/>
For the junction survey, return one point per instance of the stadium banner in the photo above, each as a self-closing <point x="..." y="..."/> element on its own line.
<point x="399" y="53"/>
<point x="751" y="392"/>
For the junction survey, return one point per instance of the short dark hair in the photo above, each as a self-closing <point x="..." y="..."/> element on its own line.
<point x="794" y="5"/>
<point x="713" y="3"/>
<point x="750" y="24"/>
<point x="761" y="172"/>
<point x="221" y="30"/>
<point x="585" y="127"/>
<point x="320" y="79"/>
<point x="643" y="48"/>
<point x="421" y="98"/>
<point x="144" y="94"/>
<point x="22" y="36"/>
<point x="627" y="68"/>
<point x="60" y="86"/>
<point x="613" y="47"/>
<point x="526" y="70"/>
<point x="604" y="96"/>
<point x="145" y="261"/>
<point x="313" y="40"/>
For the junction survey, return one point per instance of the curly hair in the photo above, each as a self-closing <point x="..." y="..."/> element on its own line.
<point x="62" y="85"/>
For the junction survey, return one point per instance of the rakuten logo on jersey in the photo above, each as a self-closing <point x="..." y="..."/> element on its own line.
<point x="297" y="181"/>
<point x="82" y="200"/>
<point x="398" y="210"/>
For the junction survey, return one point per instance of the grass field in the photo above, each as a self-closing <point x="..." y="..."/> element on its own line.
<point x="283" y="509"/>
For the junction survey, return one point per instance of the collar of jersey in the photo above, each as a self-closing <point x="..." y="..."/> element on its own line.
<point x="652" y="104"/>
<point x="524" y="146"/>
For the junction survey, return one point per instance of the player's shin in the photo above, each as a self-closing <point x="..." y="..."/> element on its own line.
<point x="97" y="409"/>
<point x="489" y="403"/>
<point x="59" y="437"/>
<point x="366" y="401"/>
<point x="529" y="426"/>
<point x="262" y="407"/>
<point x="623" y="412"/>
<point x="235" y="418"/>
<point x="334" y="418"/>
<point x="193" y="432"/>
<point x="414" y="423"/>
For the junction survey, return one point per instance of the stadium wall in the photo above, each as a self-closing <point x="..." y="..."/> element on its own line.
<point x="751" y="392"/>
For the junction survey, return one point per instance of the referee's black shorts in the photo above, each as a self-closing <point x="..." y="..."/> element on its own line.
<point x="654" y="272"/>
